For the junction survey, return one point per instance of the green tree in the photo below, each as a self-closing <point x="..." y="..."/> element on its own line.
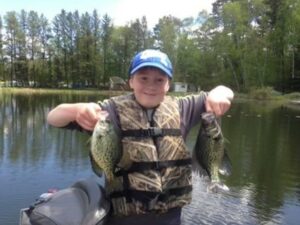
<point x="166" y="36"/>
<point x="86" y="49"/>
<point x="106" y="37"/>
<point x="96" y="54"/>
<point x="291" y="9"/>
<point x="63" y="46"/>
<point x="45" y="52"/>
<point x="2" y="62"/>
<point x="283" y="15"/>
<point x="34" y="47"/>
<point x="60" y="47"/>
<point x="141" y="37"/>
<point x="243" y="44"/>
<point x="123" y="48"/>
<point x="12" y="42"/>
<point x="188" y="60"/>
<point x="21" y="61"/>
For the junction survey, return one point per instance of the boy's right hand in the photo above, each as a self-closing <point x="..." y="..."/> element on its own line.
<point x="88" y="115"/>
<point x="85" y="114"/>
<point x="219" y="100"/>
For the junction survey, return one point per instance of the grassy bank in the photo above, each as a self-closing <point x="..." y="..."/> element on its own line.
<point x="263" y="94"/>
<point x="30" y="91"/>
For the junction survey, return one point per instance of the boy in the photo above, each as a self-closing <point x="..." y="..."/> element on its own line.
<point x="152" y="129"/>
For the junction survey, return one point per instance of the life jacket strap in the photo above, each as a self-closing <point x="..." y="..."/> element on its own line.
<point x="147" y="196"/>
<point x="156" y="165"/>
<point x="151" y="132"/>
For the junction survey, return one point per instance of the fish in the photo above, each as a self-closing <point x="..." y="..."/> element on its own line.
<point x="210" y="153"/>
<point x="105" y="150"/>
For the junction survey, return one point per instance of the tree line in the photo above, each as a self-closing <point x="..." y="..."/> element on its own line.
<point x="244" y="44"/>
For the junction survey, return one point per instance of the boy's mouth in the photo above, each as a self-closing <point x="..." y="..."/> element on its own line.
<point x="150" y="94"/>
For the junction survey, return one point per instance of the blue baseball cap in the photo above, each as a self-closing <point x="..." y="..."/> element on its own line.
<point x="152" y="58"/>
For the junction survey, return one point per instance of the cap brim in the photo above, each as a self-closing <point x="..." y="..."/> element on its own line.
<point x="156" y="65"/>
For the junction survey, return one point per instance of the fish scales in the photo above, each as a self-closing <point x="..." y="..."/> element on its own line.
<point x="209" y="150"/>
<point x="105" y="152"/>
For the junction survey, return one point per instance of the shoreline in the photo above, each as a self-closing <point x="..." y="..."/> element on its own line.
<point x="295" y="102"/>
<point x="289" y="98"/>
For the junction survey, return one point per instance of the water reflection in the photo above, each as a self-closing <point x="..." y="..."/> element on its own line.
<point x="218" y="208"/>
<point x="265" y="156"/>
<point x="27" y="139"/>
<point x="33" y="156"/>
<point x="262" y="143"/>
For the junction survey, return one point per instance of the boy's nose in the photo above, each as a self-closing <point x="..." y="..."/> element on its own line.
<point x="151" y="84"/>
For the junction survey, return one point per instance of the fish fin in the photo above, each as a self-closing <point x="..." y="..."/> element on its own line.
<point x="226" y="165"/>
<point x="96" y="169"/>
<point x="114" y="186"/>
<point x="197" y="168"/>
<point x="89" y="141"/>
<point x="226" y="141"/>
<point x="216" y="187"/>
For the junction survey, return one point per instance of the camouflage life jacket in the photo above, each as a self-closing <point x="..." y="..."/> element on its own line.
<point x="155" y="169"/>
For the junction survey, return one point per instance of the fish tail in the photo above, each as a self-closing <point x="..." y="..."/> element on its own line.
<point x="217" y="187"/>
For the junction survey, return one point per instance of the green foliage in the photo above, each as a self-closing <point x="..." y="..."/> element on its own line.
<point x="166" y="33"/>
<point x="243" y="44"/>
<point x="265" y="93"/>
<point x="293" y="96"/>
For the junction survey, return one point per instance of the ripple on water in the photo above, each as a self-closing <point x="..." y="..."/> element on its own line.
<point x="217" y="208"/>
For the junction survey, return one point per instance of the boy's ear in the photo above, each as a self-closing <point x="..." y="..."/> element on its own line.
<point x="130" y="82"/>
<point x="169" y="85"/>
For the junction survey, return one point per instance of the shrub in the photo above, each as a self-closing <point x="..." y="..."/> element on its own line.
<point x="265" y="93"/>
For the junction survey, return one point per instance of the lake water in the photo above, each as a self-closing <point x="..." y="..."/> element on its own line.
<point x="263" y="144"/>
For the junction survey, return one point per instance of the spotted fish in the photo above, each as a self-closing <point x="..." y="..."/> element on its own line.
<point x="105" y="148"/>
<point x="210" y="152"/>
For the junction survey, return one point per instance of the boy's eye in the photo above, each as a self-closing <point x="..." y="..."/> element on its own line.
<point x="143" y="78"/>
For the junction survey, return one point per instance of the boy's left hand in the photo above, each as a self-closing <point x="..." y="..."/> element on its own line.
<point x="219" y="100"/>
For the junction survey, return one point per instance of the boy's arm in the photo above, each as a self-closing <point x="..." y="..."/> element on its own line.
<point x="218" y="100"/>
<point x="191" y="108"/>
<point x="85" y="115"/>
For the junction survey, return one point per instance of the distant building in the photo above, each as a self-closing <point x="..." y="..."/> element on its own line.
<point x="180" y="87"/>
<point x="117" y="83"/>
<point x="184" y="87"/>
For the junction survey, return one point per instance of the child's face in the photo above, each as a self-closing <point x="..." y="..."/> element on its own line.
<point x="150" y="86"/>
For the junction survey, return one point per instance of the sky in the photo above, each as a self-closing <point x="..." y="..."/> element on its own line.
<point x="121" y="11"/>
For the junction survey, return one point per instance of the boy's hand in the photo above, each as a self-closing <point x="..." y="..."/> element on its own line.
<point x="219" y="100"/>
<point x="88" y="115"/>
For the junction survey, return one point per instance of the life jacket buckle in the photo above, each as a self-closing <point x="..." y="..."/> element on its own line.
<point x="155" y="132"/>
<point x="152" y="203"/>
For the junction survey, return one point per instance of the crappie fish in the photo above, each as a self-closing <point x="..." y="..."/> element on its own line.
<point x="210" y="152"/>
<point x="105" y="152"/>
